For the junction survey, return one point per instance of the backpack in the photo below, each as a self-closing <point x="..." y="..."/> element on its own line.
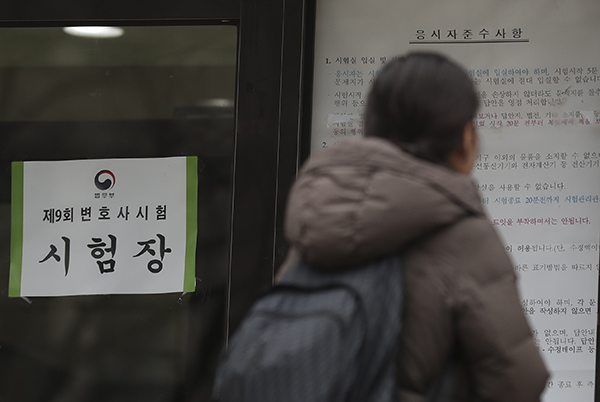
<point x="318" y="337"/>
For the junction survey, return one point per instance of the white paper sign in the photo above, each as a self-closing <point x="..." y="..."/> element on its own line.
<point x="535" y="66"/>
<point x="109" y="226"/>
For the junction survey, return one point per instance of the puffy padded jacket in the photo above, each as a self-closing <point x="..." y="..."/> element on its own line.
<point x="366" y="198"/>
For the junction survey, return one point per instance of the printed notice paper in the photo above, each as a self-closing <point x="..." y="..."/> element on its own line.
<point x="111" y="226"/>
<point x="536" y="70"/>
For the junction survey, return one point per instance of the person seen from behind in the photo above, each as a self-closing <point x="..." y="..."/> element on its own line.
<point x="406" y="188"/>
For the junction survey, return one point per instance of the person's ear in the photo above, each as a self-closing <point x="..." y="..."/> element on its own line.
<point x="470" y="139"/>
<point x="462" y="160"/>
<point x="470" y="145"/>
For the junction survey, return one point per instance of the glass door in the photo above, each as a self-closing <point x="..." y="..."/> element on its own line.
<point x="123" y="92"/>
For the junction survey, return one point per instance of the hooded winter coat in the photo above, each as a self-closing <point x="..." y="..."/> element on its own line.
<point x="367" y="198"/>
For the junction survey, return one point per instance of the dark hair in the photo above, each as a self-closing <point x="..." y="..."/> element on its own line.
<point x="421" y="102"/>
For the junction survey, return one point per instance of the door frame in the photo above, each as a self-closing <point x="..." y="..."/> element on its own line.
<point x="275" y="42"/>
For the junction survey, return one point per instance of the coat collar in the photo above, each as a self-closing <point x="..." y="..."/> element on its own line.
<point x="381" y="153"/>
